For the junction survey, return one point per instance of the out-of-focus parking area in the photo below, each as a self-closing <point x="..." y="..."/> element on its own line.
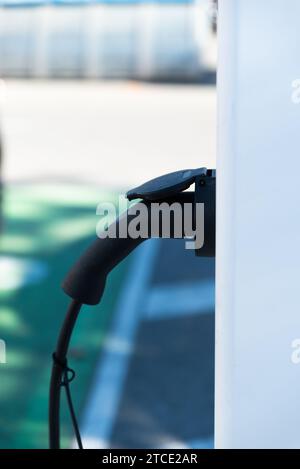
<point x="95" y="99"/>
<point x="116" y="134"/>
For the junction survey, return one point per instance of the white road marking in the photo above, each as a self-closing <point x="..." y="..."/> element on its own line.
<point x="103" y="402"/>
<point x="172" y="300"/>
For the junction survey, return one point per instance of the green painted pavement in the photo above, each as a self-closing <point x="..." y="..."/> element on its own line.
<point x="45" y="227"/>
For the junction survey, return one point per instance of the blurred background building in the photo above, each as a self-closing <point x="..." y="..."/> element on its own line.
<point x="97" y="97"/>
<point x="105" y="39"/>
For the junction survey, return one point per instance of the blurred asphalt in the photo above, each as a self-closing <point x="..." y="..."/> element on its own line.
<point x="168" y="396"/>
<point x="117" y="134"/>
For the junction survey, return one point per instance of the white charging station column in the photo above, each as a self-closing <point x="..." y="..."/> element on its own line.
<point x="258" y="225"/>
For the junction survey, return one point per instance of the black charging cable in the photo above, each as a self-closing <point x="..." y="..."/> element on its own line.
<point x="68" y="374"/>
<point x="62" y="376"/>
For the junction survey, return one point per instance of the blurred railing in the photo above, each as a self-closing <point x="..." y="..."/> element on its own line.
<point x="104" y="39"/>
